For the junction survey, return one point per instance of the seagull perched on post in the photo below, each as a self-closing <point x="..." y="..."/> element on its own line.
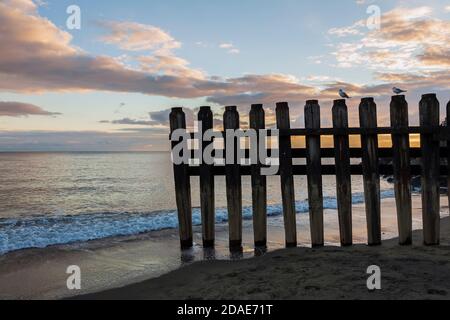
<point x="343" y="94"/>
<point x="398" y="90"/>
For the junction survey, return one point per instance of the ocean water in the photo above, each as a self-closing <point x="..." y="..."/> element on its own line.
<point x="59" y="198"/>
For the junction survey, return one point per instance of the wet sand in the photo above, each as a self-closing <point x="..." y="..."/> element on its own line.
<point x="416" y="272"/>
<point x="129" y="262"/>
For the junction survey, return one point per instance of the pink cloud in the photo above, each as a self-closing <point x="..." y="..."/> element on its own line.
<point x="134" y="36"/>
<point x="18" y="109"/>
<point x="37" y="56"/>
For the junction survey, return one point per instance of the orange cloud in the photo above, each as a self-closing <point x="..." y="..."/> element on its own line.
<point x="36" y="56"/>
<point x="134" y="36"/>
<point x="169" y="65"/>
<point x="408" y="39"/>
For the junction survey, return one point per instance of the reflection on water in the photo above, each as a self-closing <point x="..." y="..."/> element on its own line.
<point x="221" y="252"/>
<point x="209" y="254"/>
<point x="260" y="251"/>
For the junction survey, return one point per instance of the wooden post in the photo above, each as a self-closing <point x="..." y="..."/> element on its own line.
<point x="343" y="177"/>
<point x="314" y="173"/>
<point x="429" y="118"/>
<point x="369" y="143"/>
<point x="259" y="183"/>
<point x="182" y="184"/>
<point x="286" y="175"/>
<point x="233" y="183"/>
<point x="205" y="117"/>
<point x="402" y="170"/>
<point x="448" y="154"/>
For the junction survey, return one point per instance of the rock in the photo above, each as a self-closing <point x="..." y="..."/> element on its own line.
<point x="416" y="183"/>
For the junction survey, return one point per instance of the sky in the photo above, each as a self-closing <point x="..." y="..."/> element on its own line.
<point x="109" y="85"/>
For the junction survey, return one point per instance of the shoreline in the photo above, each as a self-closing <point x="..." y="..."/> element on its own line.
<point x="118" y="262"/>
<point x="407" y="272"/>
<point x="32" y="231"/>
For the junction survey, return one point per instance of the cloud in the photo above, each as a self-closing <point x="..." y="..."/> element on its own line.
<point x="36" y="56"/>
<point x="131" y="140"/>
<point x="226" y="46"/>
<point x="231" y="49"/>
<point x="24" y="5"/>
<point x="354" y="29"/>
<point x="437" y="79"/>
<point x="128" y="121"/>
<point x="268" y="89"/>
<point x="169" y="65"/>
<point x="162" y="117"/>
<point x="160" y="60"/>
<point x="134" y="36"/>
<point x="157" y="119"/>
<point x="409" y="39"/>
<point x="432" y="56"/>
<point x="18" y="109"/>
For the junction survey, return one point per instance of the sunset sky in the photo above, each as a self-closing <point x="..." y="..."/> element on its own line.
<point x="110" y="85"/>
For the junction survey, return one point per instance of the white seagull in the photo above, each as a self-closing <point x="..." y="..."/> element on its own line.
<point x="398" y="90"/>
<point x="343" y="94"/>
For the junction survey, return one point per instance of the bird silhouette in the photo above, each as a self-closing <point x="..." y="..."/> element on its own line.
<point x="398" y="90"/>
<point x="343" y="94"/>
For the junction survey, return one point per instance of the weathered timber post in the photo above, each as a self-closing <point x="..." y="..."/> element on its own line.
<point x="233" y="181"/>
<point x="286" y="175"/>
<point x="429" y="118"/>
<point x="182" y="183"/>
<point x="343" y="177"/>
<point x="205" y="117"/>
<point x="314" y="173"/>
<point x="259" y="183"/>
<point x="402" y="170"/>
<point x="448" y="153"/>
<point x="369" y="143"/>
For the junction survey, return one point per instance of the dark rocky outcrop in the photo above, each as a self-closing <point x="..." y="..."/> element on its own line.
<point x="416" y="182"/>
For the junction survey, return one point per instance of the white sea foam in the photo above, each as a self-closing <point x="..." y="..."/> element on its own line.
<point x="43" y="231"/>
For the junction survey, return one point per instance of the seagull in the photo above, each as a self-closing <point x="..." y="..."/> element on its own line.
<point x="343" y="94"/>
<point x="398" y="90"/>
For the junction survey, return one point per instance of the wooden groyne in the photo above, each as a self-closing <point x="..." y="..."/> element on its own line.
<point x="434" y="139"/>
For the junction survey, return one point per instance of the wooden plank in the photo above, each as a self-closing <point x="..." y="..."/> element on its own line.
<point x="355" y="153"/>
<point x="182" y="184"/>
<point x="358" y="131"/>
<point x="343" y="177"/>
<point x="429" y="116"/>
<point x="233" y="183"/>
<point x="286" y="176"/>
<point x="447" y="152"/>
<point x="314" y="173"/>
<point x="327" y="170"/>
<point x="402" y="169"/>
<point x="441" y="133"/>
<point x="205" y="117"/>
<point x="259" y="183"/>
<point x="371" y="175"/>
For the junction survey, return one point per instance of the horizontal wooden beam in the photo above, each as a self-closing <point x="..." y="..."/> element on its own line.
<point x="355" y="153"/>
<point x="440" y="133"/>
<point x="327" y="170"/>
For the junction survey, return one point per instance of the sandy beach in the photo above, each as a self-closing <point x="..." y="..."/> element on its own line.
<point x="416" y="272"/>
<point x="126" y="267"/>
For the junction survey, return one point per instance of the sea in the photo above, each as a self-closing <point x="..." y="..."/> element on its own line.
<point x="51" y="199"/>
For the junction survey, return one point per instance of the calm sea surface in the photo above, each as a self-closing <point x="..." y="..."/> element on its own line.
<point x="57" y="198"/>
